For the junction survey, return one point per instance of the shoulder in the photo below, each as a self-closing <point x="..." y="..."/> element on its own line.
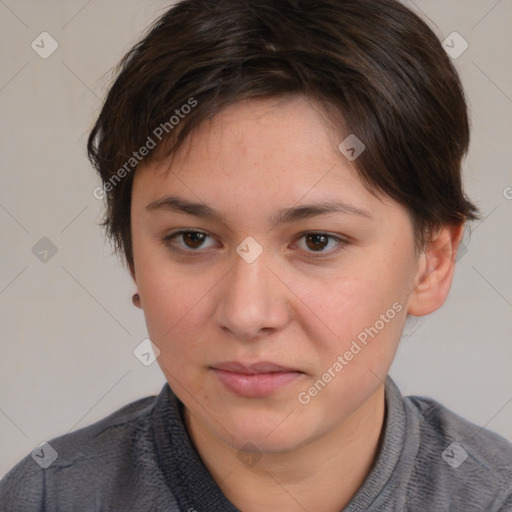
<point x="109" y="432"/>
<point x="440" y="425"/>
<point x="470" y="463"/>
<point x="87" y="454"/>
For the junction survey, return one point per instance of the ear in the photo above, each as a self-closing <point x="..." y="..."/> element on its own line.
<point x="435" y="271"/>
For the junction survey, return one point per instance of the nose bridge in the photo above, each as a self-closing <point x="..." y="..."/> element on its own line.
<point x="252" y="297"/>
<point x="251" y="276"/>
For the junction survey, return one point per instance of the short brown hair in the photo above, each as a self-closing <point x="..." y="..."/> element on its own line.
<point x="374" y="62"/>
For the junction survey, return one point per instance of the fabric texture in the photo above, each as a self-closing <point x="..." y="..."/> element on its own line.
<point x="140" y="458"/>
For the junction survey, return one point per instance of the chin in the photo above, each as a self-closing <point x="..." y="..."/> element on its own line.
<point x="265" y="434"/>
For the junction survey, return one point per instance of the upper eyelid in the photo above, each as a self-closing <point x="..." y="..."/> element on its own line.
<point x="179" y="232"/>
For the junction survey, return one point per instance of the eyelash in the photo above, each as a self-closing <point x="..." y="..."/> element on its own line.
<point x="167" y="241"/>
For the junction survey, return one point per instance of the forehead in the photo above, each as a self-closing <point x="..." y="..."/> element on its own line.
<point x="286" y="145"/>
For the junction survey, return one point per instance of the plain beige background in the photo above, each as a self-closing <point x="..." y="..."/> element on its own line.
<point x="68" y="328"/>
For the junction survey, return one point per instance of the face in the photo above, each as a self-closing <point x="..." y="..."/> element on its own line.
<point x="278" y="299"/>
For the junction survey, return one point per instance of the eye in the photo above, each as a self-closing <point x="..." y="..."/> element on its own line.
<point x="191" y="240"/>
<point x="317" y="242"/>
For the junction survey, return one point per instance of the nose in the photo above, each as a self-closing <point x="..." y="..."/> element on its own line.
<point x="253" y="299"/>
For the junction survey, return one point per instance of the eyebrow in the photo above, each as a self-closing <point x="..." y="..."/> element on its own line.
<point x="283" y="216"/>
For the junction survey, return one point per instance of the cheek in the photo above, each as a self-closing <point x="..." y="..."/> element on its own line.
<point x="171" y="313"/>
<point x="174" y="302"/>
<point x="163" y="290"/>
<point x="365" y="313"/>
<point x="347" y="305"/>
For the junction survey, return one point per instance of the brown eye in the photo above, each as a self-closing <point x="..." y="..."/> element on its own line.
<point x="193" y="239"/>
<point x="188" y="241"/>
<point x="317" y="241"/>
<point x="318" y="245"/>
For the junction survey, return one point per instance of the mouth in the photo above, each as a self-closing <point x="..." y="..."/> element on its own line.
<point x="255" y="380"/>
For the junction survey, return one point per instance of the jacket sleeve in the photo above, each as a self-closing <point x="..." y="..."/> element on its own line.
<point x="22" y="489"/>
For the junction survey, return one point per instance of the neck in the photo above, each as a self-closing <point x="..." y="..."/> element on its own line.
<point x="322" y="475"/>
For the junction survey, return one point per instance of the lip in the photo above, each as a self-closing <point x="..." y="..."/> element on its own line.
<point x="253" y="368"/>
<point x="253" y="380"/>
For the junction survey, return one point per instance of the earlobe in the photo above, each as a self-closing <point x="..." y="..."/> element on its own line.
<point x="136" y="296"/>
<point x="136" y="300"/>
<point x="435" y="271"/>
